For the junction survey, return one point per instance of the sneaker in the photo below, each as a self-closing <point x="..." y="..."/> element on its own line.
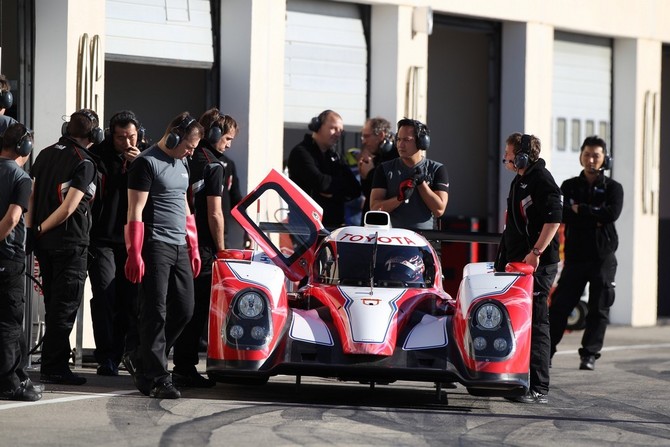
<point x="192" y="380"/>
<point x="588" y="362"/>
<point x="107" y="368"/>
<point x="69" y="378"/>
<point x="21" y="394"/>
<point x="29" y="385"/>
<point x="165" y="390"/>
<point x="531" y="397"/>
<point x="141" y="383"/>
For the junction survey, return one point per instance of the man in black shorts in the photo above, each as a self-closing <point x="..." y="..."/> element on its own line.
<point x="163" y="253"/>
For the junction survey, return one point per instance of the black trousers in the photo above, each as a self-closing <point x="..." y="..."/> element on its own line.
<point x="114" y="304"/>
<point x="12" y="343"/>
<point x="166" y="305"/>
<point x="185" y="354"/>
<point x="600" y="274"/>
<point x="63" y="274"/>
<point x="540" y="345"/>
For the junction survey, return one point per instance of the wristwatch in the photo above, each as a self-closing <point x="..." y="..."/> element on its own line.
<point x="39" y="229"/>
<point x="536" y="251"/>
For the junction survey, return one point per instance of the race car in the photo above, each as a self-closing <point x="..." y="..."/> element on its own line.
<point x="360" y="303"/>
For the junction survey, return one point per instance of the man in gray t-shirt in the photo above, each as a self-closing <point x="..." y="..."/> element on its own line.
<point x="411" y="188"/>
<point x="162" y="241"/>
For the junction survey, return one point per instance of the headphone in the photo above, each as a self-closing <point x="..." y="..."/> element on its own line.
<point x="129" y="117"/>
<point x="420" y="131"/>
<point x="177" y="133"/>
<point x="316" y="122"/>
<point x="387" y="143"/>
<point x="95" y="135"/>
<point x="607" y="162"/>
<point x="215" y="131"/>
<point x="25" y="144"/>
<point x="6" y="99"/>
<point x="522" y="158"/>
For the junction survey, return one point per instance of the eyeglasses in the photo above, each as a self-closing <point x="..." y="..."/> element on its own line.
<point x="505" y="162"/>
<point x="404" y="139"/>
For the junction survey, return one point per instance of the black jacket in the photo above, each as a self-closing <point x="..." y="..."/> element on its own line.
<point x="110" y="210"/>
<point x="534" y="200"/>
<point x="590" y="233"/>
<point x="57" y="168"/>
<point x="325" y="177"/>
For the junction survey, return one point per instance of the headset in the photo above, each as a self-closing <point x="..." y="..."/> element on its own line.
<point x="421" y="132"/>
<point x="607" y="161"/>
<point x="6" y="99"/>
<point x="387" y="143"/>
<point x="215" y="131"/>
<point x="522" y="158"/>
<point x="25" y="144"/>
<point x="316" y="122"/>
<point x="128" y="117"/>
<point x="95" y="135"/>
<point x="595" y="140"/>
<point x="177" y="132"/>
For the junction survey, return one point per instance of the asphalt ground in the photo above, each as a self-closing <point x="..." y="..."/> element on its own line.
<point x="625" y="401"/>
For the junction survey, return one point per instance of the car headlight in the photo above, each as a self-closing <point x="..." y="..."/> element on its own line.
<point x="488" y="316"/>
<point x="250" y="304"/>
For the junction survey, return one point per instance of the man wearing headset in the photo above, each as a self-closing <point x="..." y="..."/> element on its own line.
<point x="316" y="167"/>
<point x="378" y="146"/>
<point x="114" y="301"/>
<point x="534" y="210"/>
<point x="207" y="193"/>
<point x="163" y="254"/>
<point x="65" y="183"/>
<point x="592" y="202"/>
<point x="411" y="188"/>
<point x="15" y="184"/>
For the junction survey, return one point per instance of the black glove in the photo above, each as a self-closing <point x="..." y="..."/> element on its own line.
<point x="421" y="175"/>
<point x="405" y="190"/>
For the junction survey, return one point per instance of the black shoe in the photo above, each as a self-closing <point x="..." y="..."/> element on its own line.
<point x="107" y="368"/>
<point x="128" y="363"/>
<point x="165" y="390"/>
<point x="588" y="362"/>
<point x="192" y="380"/>
<point x="141" y="383"/>
<point x="21" y="394"/>
<point x="531" y="397"/>
<point x="29" y="385"/>
<point x="68" y="378"/>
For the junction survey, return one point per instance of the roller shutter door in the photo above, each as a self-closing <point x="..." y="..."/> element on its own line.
<point x="325" y="61"/>
<point x="582" y="98"/>
<point x="176" y="33"/>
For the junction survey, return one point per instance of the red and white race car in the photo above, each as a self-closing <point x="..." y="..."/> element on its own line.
<point x="370" y="306"/>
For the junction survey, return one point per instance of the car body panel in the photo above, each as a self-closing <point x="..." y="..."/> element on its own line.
<point x="370" y="306"/>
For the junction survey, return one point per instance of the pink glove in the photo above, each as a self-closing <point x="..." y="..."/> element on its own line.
<point x="192" y="242"/>
<point x="134" y="235"/>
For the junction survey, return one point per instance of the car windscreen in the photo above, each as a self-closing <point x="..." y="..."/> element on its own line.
<point x="356" y="264"/>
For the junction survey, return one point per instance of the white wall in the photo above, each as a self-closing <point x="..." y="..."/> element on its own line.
<point x="637" y="70"/>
